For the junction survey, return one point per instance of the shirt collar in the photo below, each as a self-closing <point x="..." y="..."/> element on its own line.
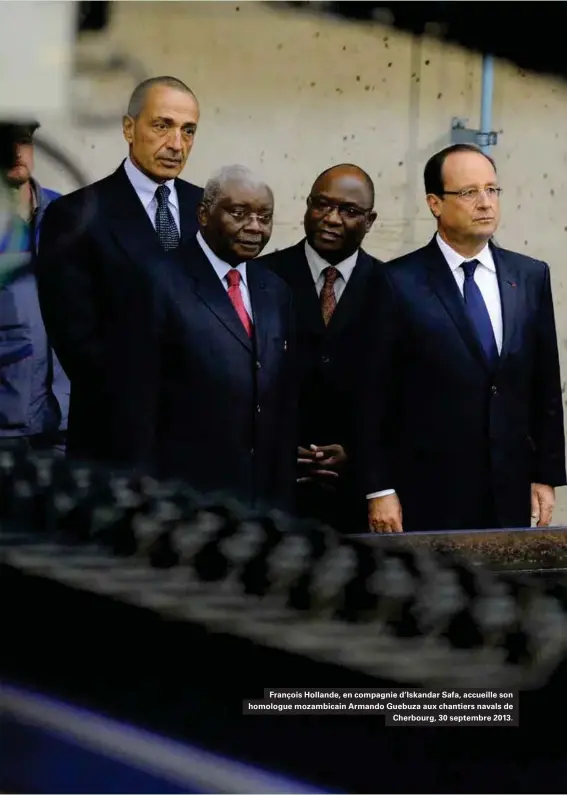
<point x="146" y="187"/>
<point x="317" y="264"/>
<point x="455" y="260"/>
<point x="220" y="266"/>
<point x="37" y="198"/>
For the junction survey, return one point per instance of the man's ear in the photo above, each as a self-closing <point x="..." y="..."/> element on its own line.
<point x="434" y="204"/>
<point x="203" y="214"/>
<point x="128" y="129"/>
<point x="370" y="220"/>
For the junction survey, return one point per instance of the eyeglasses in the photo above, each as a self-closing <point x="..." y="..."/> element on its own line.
<point x="346" y="211"/>
<point x="245" y="216"/>
<point x="473" y="194"/>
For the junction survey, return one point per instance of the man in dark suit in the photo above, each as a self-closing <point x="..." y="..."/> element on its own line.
<point x="463" y="411"/>
<point x="226" y="419"/>
<point x="331" y="279"/>
<point x="99" y="250"/>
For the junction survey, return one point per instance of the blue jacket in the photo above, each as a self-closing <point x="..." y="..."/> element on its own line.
<point x="34" y="390"/>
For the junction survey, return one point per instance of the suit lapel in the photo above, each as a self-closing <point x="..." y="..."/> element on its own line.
<point x="264" y="306"/>
<point x="353" y="295"/>
<point x="187" y="211"/>
<point x="444" y="285"/>
<point x="213" y="294"/>
<point x="508" y="283"/>
<point x="135" y="233"/>
<point x="130" y="222"/>
<point x="307" y="306"/>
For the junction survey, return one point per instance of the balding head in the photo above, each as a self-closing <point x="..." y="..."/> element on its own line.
<point x="139" y="95"/>
<point x="235" y="214"/>
<point x="160" y="126"/>
<point x="347" y="172"/>
<point x="339" y="211"/>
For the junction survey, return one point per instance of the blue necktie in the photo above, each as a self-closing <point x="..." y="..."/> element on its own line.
<point x="166" y="227"/>
<point x="478" y="313"/>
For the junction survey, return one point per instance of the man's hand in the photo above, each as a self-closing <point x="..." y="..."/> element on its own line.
<point x="330" y="456"/>
<point x="543" y="503"/>
<point x="321" y="461"/>
<point x="306" y="456"/>
<point x="305" y="460"/>
<point x="385" y="514"/>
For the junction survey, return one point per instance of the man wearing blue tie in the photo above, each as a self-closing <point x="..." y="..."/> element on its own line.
<point x="462" y="422"/>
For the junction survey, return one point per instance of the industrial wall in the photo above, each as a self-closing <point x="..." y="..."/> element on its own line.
<point x="290" y="94"/>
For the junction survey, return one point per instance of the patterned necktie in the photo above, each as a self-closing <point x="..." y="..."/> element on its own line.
<point x="328" y="298"/>
<point x="233" y="278"/>
<point x="477" y="312"/>
<point x="166" y="227"/>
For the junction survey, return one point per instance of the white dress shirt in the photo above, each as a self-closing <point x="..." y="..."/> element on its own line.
<point x="485" y="278"/>
<point x="317" y="265"/>
<point x="487" y="281"/>
<point x="221" y="268"/>
<point x="146" y="191"/>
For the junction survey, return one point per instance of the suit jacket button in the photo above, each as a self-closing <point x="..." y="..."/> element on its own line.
<point x="258" y="366"/>
<point x="494" y="390"/>
<point x="325" y="359"/>
<point x="258" y="409"/>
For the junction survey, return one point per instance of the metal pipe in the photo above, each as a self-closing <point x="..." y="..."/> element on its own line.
<point x="486" y="97"/>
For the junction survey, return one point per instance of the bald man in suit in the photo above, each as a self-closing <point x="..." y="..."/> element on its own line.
<point x="332" y="279"/>
<point x="100" y="249"/>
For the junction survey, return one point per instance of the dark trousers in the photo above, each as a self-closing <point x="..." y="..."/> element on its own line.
<point x="479" y="514"/>
<point x="46" y="442"/>
<point x="335" y="506"/>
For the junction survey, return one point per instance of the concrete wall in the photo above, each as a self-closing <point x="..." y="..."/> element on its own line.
<point x="291" y="94"/>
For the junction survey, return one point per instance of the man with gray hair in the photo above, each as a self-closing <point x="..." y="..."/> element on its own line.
<point x="99" y="250"/>
<point x="227" y="419"/>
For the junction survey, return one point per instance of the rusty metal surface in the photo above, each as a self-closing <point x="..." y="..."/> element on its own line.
<point x="526" y="549"/>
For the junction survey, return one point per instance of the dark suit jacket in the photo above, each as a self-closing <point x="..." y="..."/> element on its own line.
<point x="331" y="360"/>
<point x="227" y="404"/>
<point x="98" y="255"/>
<point x="452" y="429"/>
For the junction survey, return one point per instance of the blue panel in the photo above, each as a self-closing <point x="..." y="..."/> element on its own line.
<point x="34" y="760"/>
<point x="49" y="746"/>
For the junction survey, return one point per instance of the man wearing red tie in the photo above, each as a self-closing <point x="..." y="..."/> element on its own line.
<point x="226" y="416"/>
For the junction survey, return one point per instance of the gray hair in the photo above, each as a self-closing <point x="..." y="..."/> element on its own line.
<point x="239" y="174"/>
<point x="139" y="94"/>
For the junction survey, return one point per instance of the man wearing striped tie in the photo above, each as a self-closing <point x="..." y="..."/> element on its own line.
<point x="331" y="278"/>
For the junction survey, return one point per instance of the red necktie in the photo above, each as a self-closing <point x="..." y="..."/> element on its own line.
<point x="233" y="278"/>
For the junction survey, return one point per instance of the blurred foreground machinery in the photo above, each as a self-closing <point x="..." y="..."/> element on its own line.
<point x="151" y="603"/>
